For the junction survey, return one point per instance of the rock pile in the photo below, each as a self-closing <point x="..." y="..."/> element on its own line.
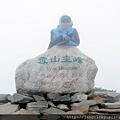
<point x="57" y="85"/>
<point x="62" y="105"/>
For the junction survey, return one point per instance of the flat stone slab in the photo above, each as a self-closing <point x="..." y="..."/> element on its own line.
<point x="93" y="108"/>
<point x="109" y="110"/>
<point x="18" y="98"/>
<point x="8" y="108"/>
<point x="85" y="102"/>
<point x="82" y="109"/>
<point x="26" y="112"/>
<point x="37" y="106"/>
<point x="108" y="97"/>
<point x="53" y="111"/>
<point x="112" y="105"/>
<point x="64" y="98"/>
<point x="63" y="107"/>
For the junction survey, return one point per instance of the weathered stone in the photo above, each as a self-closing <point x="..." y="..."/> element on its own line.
<point x="51" y="104"/>
<point x="8" y="108"/>
<point x="64" y="98"/>
<point x="3" y="97"/>
<point x="37" y="106"/>
<point x="109" y="110"/>
<point x="78" y="97"/>
<point x="26" y="112"/>
<point x="85" y="102"/>
<point x="50" y="117"/>
<point x="38" y="98"/>
<point x="108" y="97"/>
<point x="61" y="69"/>
<point x="18" y="98"/>
<point x="52" y="110"/>
<point x="23" y="114"/>
<point x="98" y="113"/>
<point x="97" y="98"/>
<point x="63" y="107"/>
<point x="53" y="96"/>
<point x="93" y="108"/>
<point x="73" y="112"/>
<point x="82" y="109"/>
<point x="112" y="105"/>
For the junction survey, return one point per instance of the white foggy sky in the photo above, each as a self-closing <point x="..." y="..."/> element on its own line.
<point x="25" y="33"/>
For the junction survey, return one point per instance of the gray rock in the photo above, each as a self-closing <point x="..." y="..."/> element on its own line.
<point x="111" y="105"/>
<point x="61" y="69"/>
<point x="108" y="97"/>
<point x="8" y="108"/>
<point x="93" y="108"/>
<point x="50" y="117"/>
<point x="52" y="110"/>
<point x="3" y="97"/>
<point x="82" y="108"/>
<point x="78" y="97"/>
<point x="25" y="112"/>
<point x="51" y="104"/>
<point x="53" y="96"/>
<point x="37" y="106"/>
<point x="18" y="98"/>
<point x="63" y="107"/>
<point x="72" y="112"/>
<point x="99" y="113"/>
<point x="64" y="98"/>
<point x="39" y="98"/>
<point x="85" y="102"/>
<point x="109" y="110"/>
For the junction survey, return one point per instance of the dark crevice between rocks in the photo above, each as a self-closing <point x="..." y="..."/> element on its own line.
<point x="23" y="105"/>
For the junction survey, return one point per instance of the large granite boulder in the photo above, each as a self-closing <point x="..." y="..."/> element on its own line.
<point x="61" y="69"/>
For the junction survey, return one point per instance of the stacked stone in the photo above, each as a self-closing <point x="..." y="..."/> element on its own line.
<point x="58" y="83"/>
<point x="97" y="103"/>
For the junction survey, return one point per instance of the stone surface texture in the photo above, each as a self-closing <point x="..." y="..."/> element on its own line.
<point x="51" y="110"/>
<point x="61" y="69"/>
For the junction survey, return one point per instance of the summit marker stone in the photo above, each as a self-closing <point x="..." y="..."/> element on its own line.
<point x="61" y="69"/>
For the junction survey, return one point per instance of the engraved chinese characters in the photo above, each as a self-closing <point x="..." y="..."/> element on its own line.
<point x="61" y="69"/>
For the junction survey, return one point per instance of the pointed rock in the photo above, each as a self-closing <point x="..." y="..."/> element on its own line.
<point x="18" y="98"/>
<point x="51" y="104"/>
<point x="39" y="98"/>
<point x="63" y="107"/>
